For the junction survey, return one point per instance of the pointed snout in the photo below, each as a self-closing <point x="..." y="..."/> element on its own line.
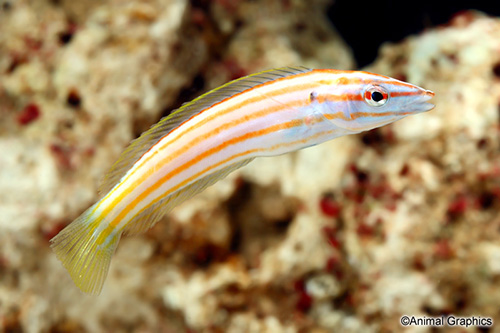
<point x="429" y="93"/>
<point x="423" y="105"/>
<point x="420" y="104"/>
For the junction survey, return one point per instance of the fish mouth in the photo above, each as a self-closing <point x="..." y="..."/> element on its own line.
<point x="421" y="104"/>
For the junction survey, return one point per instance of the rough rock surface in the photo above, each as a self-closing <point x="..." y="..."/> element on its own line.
<point x="345" y="236"/>
<point x="72" y="95"/>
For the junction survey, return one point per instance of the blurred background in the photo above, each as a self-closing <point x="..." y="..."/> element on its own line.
<point x="346" y="236"/>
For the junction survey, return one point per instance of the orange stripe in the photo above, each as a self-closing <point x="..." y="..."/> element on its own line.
<point x="196" y="141"/>
<point x="390" y="81"/>
<point x="226" y="111"/>
<point x="356" y="115"/>
<point x="218" y="164"/>
<point x="340" y="98"/>
<point x="246" y="102"/>
<point x="223" y="112"/>
<point x="258" y="99"/>
<point x="215" y="132"/>
<point x="197" y="159"/>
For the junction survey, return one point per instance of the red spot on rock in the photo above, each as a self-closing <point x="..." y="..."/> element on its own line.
<point x="443" y="250"/>
<point x="62" y="156"/>
<point x="32" y="43"/>
<point x="364" y="230"/>
<point x="457" y="207"/>
<point x="354" y="194"/>
<point x="377" y="191"/>
<point x="329" y="206"/>
<point x="332" y="263"/>
<point x="299" y="285"/>
<point x="305" y="301"/>
<point x="332" y="236"/>
<point x="334" y="266"/>
<point x="29" y="114"/>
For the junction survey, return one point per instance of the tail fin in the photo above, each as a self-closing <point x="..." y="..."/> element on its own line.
<point x="86" y="261"/>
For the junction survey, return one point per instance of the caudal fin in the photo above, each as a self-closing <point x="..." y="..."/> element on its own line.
<point x="87" y="262"/>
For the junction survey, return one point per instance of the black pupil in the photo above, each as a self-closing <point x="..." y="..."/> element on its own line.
<point x="377" y="96"/>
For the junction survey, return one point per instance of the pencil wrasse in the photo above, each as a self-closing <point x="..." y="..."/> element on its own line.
<point x="264" y="114"/>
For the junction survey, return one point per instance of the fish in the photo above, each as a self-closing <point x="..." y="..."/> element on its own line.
<point x="268" y="113"/>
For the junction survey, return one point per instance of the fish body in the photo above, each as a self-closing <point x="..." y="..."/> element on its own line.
<point x="264" y="114"/>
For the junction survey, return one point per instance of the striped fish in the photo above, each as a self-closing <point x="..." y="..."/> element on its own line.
<point x="264" y="114"/>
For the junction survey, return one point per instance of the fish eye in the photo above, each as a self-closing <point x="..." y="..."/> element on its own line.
<point x="376" y="96"/>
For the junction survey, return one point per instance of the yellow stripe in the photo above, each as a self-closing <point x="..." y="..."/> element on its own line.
<point x="272" y="93"/>
<point x="252" y="100"/>
<point x="216" y="131"/>
<point x="196" y="141"/>
<point x="220" y="163"/>
<point x="200" y="157"/>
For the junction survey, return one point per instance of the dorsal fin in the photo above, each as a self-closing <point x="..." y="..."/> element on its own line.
<point x="141" y="145"/>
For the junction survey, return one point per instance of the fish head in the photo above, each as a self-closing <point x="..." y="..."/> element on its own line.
<point x="362" y="101"/>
